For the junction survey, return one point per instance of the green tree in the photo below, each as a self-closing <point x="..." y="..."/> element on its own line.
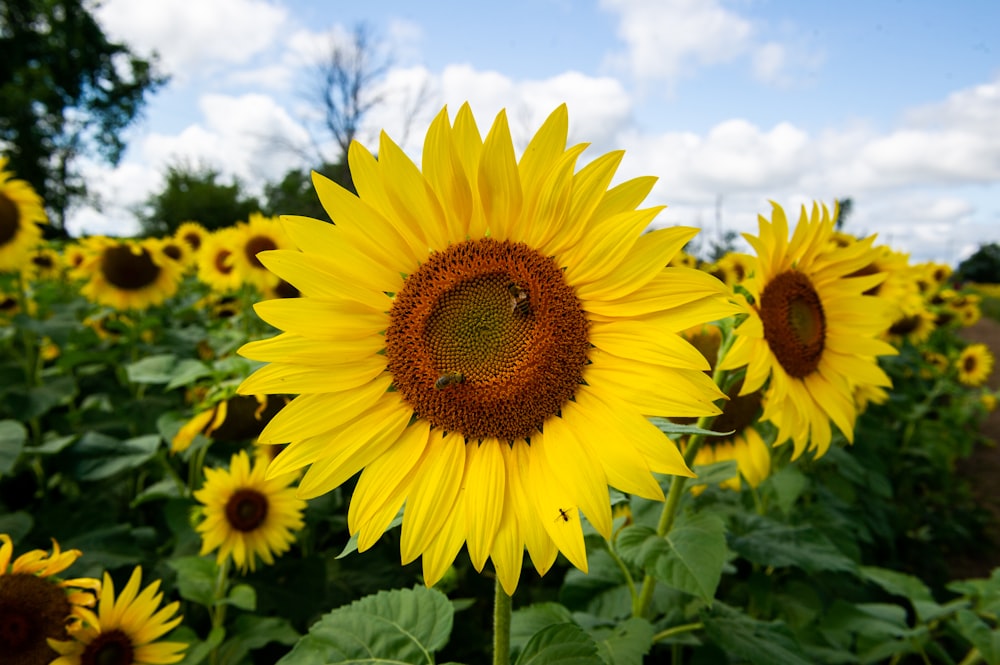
<point x="195" y="193"/>
<point x="295" y="194"/>
<point x="845" y="207"/>
<point x="983" y="266"/>
<point x="66" y="91"/>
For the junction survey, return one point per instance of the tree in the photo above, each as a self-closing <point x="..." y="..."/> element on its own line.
<point x="845" y="207"/>
<point x="982" y="267"/>
<point x="295" y="194"/>
<point x="66" y="91"/>
<point x="194" y="193"/>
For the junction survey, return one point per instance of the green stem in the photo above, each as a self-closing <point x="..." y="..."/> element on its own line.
<point x="972" y="657"/>
<point x="621" y="565"/>
<point x="172" y="472"/>
<point x="677" y="630"/>
<point x="501" y="625"/>
<point x="218" y="610"/>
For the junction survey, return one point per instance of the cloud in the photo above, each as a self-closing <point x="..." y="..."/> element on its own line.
<point x="194" y="36"/>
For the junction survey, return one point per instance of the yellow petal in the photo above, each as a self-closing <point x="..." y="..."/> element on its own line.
<point x="485" y="481"/>
<point x="433" y="494"/>
<point x="278" y="378"/>
<point x="499" y="181"/>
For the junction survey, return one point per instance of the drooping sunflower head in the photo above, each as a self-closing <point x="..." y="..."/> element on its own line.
<point x="21" y="211"/>
<point x="483" y="337"/>
<point x="246" y="515"/>
<point x="129" y="274"/>
<point x="811" y="330"/>
<point x="35" y="604"/>
<point x="125" y="629"/>
<point x="974" y="365"/>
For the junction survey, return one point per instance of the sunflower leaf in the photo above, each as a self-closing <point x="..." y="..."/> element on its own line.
<point x="668" y="427"/>
<point x="152" y="369"/>
<point x="759" y="642"/>
<point x="402" y="625"/>
<point x="13" y="435"/>
<point x="627" y="643"/>
<point x="560" y="644"/>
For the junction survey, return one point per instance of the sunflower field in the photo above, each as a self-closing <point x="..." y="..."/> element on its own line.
<point x="290" y="441"/>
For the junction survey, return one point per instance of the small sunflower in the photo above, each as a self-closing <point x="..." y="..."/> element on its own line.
<point x="239" y="418"/>
<point x="44" y="264"/>
<point x="74" y="255"/>
<point x="217" y="260"/>
<point x="974" y="365"/>
<point x="124" y="630"/>
<point x="192" y="234"/>
<point x="21" y="211"/>
<point x="259" y="234"/>
<point x="35" y="605"/>
<point x="915" y="325"/>
<point x="247" y="515"/>
<point x="483" y="340"/>
<point x="129" y="274"/>
<point x="735" y="266"/>
<point x="745" y="444"/>
<point x="811" y="332"/>
<point x="178" y="251"/>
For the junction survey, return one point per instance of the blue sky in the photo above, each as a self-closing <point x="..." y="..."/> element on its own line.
<point x="895" y="104"/>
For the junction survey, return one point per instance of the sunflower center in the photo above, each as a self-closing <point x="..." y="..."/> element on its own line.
<point x="969" y="364"/>
<point x="739" y="413"/>
<point x="222" y="262"/>
<point x="258" y="244"/>
<point x="193" y="240"/>
<point x="905" y="325"/>
<point x="42" y="261"/>
<point x="10" y="220"/>
<point x="127" y="269"/>
<point x="111" y="648"/>
<point x="246" y="510"/>
<point x="794" y="322"/>
<point x="31" y="610"/>
<point x="487" y="339"/>
<point x="173" y="251"/>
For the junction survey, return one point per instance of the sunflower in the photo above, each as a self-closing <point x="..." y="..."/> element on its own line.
<point x="259" y="234"/>
<point x="192" y="233"/>
<point x="124" y="631"/>
<point x="35" y="604"/>
<point x="217" y="266"/>
<point x="239" y="418"/>
<point x="44" y="264"/>
<point x="810" y="333"/>
<point x="74" y="255"/>
<point x="246" y="514"/>
<point x="21" y="211"/>
<point x="915" y="325"/>
<point x="974" y="365"/>
<point x="735" y="266"/>
<point x="482" y="340"/>
<point x="178" y="251"/>
<point x="744" y="444"/>
<point x="129" y="274"/>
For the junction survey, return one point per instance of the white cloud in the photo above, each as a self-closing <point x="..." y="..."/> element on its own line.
<point x="193" y="36"/>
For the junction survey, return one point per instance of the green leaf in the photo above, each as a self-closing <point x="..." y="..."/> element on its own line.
<point x="187" y="372"/>
<point x="761" y="643"/>
<point x="252" y="632"/>
<point x="527" y="621"/>
<point x="668" y="427"/>
<point x="978" y="632"/>
<point x="352" y="543"/>
<point x="44" y="398"/>
<point x="715" y="473"/>
<point x="602" y="591"/>
<point x="242" y="596"/>
<point x="16" y="525"/>
<point x="910" y="587"/>
<point x="788" y="484"/>
<point x="13" y="436"/>
<point x="627" y="643"/>
<point x="99" y="457"/>
<point x="399" y="626"/>
<point x="196" y="579"/>
<point x="561" y="644"/>
<point x="771" y="543"/>
<point x="53" y="445"/>
<point x="152" y="369"/>
<point x="690" y="558"/>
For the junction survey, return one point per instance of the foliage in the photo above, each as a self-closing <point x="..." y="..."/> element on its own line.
<point x="982" y="266"/>
<point x="66" y="91"/>
<point x="195" y="193"/>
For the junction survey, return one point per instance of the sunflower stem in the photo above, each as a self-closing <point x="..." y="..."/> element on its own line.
<point x="501" y="625"/>
<point x="218" y="610"/>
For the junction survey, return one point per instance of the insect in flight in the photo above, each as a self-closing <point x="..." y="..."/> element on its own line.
<point x="519" y="300"/>
<point x="448" y="379"/>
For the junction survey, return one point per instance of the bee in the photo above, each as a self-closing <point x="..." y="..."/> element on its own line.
<point x="564" y="515"/>
<point x="519" y="300"/>
<point x="448" y="379"/>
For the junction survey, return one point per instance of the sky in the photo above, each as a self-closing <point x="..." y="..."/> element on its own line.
<point x="732" y="104"/>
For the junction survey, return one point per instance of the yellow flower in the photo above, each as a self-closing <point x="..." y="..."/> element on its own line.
<point x="129" y="274"/>
<point x="915" y="325"/>
<point x="21" y="212"/>
<point x="810" y="333"/>
<point x="259" y="234"/>
<point x="192" y="233"/>
<point x="482" y="340"/>
<point x="35" y="605"/>
<point x="44" y="264"/>
<point x="246" y="514"/>
<point x="217" y="260"/>
<point x="974" y="365"/>
<point x="747" y="448"/>
<point x="124" y="631"/>
<point x="238" y="418"/>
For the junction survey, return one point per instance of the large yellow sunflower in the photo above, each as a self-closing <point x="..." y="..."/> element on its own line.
<point x="247" y="515"/>
<point x="35" y="604"/>
<point x="124" y="630"/>
<point x="974" y="365"/>
<point x="482" y="340"/>
<point x="129" y="274"/>
<point x="810" y="333"/>
<point x="21" y="211"/>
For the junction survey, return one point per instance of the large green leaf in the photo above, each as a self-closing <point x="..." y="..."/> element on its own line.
<point x="13" y="435"/>
<point x="526" y="622"/>
<point x="196" y="578"/>
<point x="627" y="643"/>
<point x="979" y="633"/>
<point x="560" y="644"/>
<point x="759" y="642"/>
<point x="399" y="626"/>
<point x="152" y="369"/>
<point x="771" y="543"/>
<point x="690" y="558"/>
<point x="99" y="457"/>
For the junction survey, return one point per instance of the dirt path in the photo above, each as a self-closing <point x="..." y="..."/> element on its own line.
<point x="982" y="468"/>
